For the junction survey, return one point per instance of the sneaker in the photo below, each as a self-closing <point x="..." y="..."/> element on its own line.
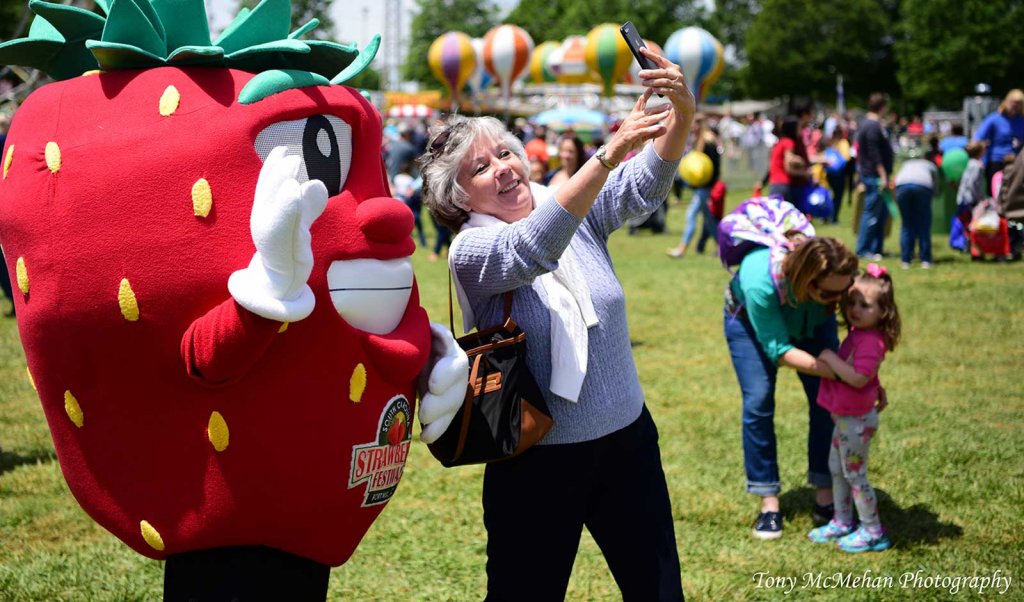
<point x="862" y="541"/>
<point x="831" y="531"/>
<point x="926" y="265"/>
<point x="823" y="513"/>
<point x="768" y="525"/>
<point x="906" y="265"/>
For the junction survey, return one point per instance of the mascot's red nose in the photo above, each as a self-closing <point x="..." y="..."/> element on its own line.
<point x="384" y="220"/>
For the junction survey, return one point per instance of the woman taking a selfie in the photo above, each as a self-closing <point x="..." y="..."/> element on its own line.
<point x="551" y="250"/>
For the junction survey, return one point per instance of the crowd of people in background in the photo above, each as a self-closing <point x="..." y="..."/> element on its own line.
<point x="873" y="161"/>
<point x="888" y="168"/>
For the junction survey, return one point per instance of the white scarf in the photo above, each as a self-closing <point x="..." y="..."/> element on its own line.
<point x="570" y="308"/>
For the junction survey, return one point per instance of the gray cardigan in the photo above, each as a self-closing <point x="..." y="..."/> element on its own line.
<point x="490" y="261"/>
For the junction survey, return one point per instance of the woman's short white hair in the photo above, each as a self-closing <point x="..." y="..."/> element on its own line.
<point x="449" y="142"/>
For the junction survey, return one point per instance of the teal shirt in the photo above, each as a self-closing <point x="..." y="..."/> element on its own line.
<point x="776" y="325"/>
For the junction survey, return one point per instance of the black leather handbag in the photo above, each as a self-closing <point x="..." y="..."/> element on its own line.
<point x="504" y="412"/>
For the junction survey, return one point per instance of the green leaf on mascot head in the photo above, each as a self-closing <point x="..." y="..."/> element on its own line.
<point x="56" y="41"/>
<point x="303" y="30"/>
<point x="129" y="25"/>
<point x="40" y="54"/>
<point x="361" y="62"/>
<point x="112" y="56"/>
<point x="197" y="55"/>
<point x="65" y="41"/>
<point x="268" y="22"/>
<point x="278" y="80"/>
<point x="72" y="22"/>
<point x="321" y="57"/>
<point x="185" y="23"/>
<point x="321" y="52"/>
<point x="233" y="25"/>
<point x="284" y="47"/>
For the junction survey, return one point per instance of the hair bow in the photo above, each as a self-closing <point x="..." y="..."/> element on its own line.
<point x="876" y="270"/>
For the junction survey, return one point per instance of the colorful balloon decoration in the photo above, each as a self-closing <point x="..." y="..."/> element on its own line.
<point x="540" y="63"/>
<point x="699" y="55"/>
<point x="507" y="51"/>
<point x="608" y="55"/>
<point x="696" y="169"/>
<point x="480" y="78"/>
<point x="452" y="60"/>
<point x="632" y="76"/>
<point x="570" y="61"/>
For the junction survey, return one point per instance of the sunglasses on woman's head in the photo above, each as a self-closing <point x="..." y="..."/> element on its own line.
<point x="437" y="146"/>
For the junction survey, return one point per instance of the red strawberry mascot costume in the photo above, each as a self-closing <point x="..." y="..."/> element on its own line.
<point x="214" y="290"/>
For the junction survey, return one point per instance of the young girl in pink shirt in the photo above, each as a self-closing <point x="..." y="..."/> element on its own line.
<point x="870" y="312"/>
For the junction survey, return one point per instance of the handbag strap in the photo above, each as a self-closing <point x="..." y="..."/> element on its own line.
<point x="451" y="310"/>
<point x="467" y="409"/>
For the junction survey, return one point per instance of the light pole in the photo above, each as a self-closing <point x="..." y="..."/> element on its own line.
<point x="392" y="43"/>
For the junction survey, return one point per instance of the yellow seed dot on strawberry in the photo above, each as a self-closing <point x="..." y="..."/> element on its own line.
<point x="217" y="432"/>
<point x="52" y="155"/>
<point x="21" y="275"/>
<point x="169" y="101"/>
<point x="152" y="536"/>
<point x="126" y="299"/>
<point x="202" y="198"/>
<point x="284" y="327"/>
<point x="357" y="384"/>
<point x="73" y="410"/>
<point x="8" y="159"/>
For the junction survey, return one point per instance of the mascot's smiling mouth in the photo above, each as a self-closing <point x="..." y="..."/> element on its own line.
<point x="371" y="294"/>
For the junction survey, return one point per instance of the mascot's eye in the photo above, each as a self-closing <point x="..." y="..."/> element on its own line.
<point x="324" y="142"/>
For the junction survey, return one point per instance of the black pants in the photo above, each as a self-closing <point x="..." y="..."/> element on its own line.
<point x="535" y="507"/>
<point x="244" y="574"/>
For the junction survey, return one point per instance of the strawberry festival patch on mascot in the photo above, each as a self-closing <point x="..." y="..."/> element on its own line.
<point x="214" y="290"/>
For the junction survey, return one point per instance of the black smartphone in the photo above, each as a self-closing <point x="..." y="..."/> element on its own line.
<point x="635" y="43"/>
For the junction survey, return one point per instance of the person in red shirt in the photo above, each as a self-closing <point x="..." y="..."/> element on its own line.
<point x="788" y="164"/>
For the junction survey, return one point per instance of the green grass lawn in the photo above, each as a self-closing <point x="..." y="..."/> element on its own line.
<point x="948" y="462"/>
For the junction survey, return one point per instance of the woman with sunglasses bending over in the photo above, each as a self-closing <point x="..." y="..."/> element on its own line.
<point x="600" y="464"/>
<point x="782" y="313"/>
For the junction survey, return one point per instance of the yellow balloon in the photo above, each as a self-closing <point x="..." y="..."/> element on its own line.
<point x="696" y="169"/>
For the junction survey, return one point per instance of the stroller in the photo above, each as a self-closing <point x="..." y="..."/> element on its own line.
<point x="989" y="234"/>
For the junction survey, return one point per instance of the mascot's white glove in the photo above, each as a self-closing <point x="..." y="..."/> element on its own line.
<point x="274" y="285"/>
<point x="445" y="389"/>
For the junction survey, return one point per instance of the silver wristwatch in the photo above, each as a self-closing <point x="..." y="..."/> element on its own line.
<point x="600" y="155"/>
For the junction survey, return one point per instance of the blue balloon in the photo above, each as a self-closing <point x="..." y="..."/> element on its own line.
<point x="816" y="201"/>
<point x="835" y="162"/>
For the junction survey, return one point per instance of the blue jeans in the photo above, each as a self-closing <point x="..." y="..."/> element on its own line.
<point x="699" y="205"/>
<point x="757" y="376"/>
<point x="871" y="234"/>
<point x="915" y="203"/>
